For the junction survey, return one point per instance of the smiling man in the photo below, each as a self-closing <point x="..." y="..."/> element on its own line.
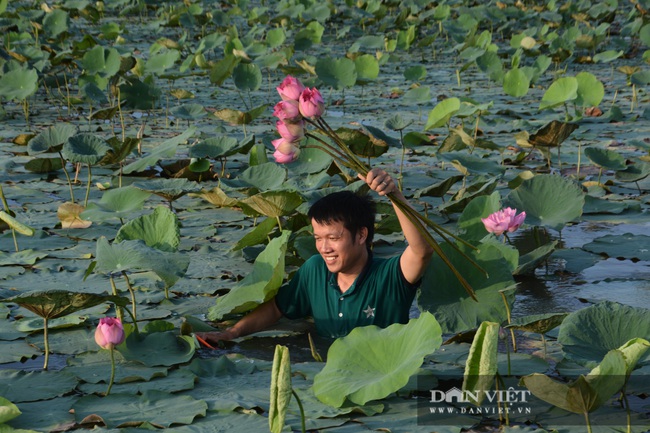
<point x="345" y="286"/>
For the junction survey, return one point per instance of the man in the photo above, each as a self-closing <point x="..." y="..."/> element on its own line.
<point x="345" y="286"/>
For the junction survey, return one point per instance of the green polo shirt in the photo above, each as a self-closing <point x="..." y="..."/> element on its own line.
<point x="379" y="296"/>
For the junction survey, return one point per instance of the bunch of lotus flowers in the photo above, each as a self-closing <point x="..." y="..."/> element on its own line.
<point x="302" y="106"/>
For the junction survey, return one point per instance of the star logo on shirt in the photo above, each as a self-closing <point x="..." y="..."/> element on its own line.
<point x="370" y="312"/>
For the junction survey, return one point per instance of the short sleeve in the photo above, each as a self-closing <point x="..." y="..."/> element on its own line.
<point x="292" y="298"/>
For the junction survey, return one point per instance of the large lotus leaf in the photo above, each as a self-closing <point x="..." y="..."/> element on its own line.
<point x="95" y="367"/>
<point x="214" y="147"/>
<point x="258" y="235"/>
<point x="170" y="189"/>
<point x="159" y="63"/>
<point x="158" y="348"/>
<point x="236" y="117"/>
<point x="355" y="371"/>
<point x="85" y="148"/>
<point x="189" y="111"/>
<point x="273" y="203"/>
<point x="606" y="158"/>
<point x="530" y="261"/>
<point x="116" y="203"/>
<point x="23" y="257"/>
<point x="367" y="67"/>
<point x="55" y="22"/>
<point x="57" y="303"/>
<point x="51" y="138"/>
<point x="590" y="90"/>
<point x="481" y="366"/>
<point x="177" y="380"/>
<point x="166" y="149"/>
<point x="160" y="230"/>
<point x="515" y="82"/>
<point x="586" y="393"/>
<point x="18" y="84"/>
<point x="258" y="286"/>
<point x="562" y="90"/>
<point x="100" y="60"/>
<point x="156" y="407"/>
<point x="268" y="176"/>
<point x="136" y="255"/>
<point x="8" y="410"/>
<point x="538" y="323"/>
<point x="336" y="73"/>
<point x="280" y="388"/>
<point x="17" y="351"/>
<point x="44" y="416"/>
<point x="44" y="165"/>
<point x="474" y="163"/>
<point x="310" y="161"/>
<point x="442" y="112"/>
<point x="442" y="294"/>
<point x="19" y="386"/>
<point x="364" y="142"/>
<point x="626" y="246"/>
<point x="588" y="334"/>
<point x="549" y="200"/>
<point x="247" y="77"/>
<point x="634" y="172"/>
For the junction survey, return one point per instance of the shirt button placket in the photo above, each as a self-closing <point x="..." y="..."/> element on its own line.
<point x="340" y="307"/>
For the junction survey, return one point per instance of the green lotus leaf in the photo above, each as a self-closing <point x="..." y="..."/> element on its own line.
<point x="95" y="367"/>
<point x="549" y="201"/>
<point x="20" y="386"/>
<point x="141" y="95"/>
<point x="481" y="366"/>
<point x="469" y="222"/>
<point x="159" y="63"/>
<point x="280" y="388"/>
<point x="590" y="90"/>
<point x="44" y="165"/>
<point x="52" y="138"/>
<point x="275" y="37"/>
<point x="166" y="149"/>
<point x="533" y="259"/>
<point x="22" y="258"/>
<point x="85" y="148"/>
<point x="608" y="159"/>
<point x="585" y="394"/>
<point x="397" y="123"/>
<point x="103" y="61"/>
<point x="175" y="381"/>
<point x="442" y="294"/>
<point x="56" y="22"/>
<point x="18" y="84"/>
<point x="336" y="73"/>
<point x="490" y="63"/>
<point x="414" y="73"/>
<point x="57" y="303"/>
<point x="156" y="407"/>
<point x="634" y="172"/>
<point x="215" y="147"/>
<point x="247" y="76"/>
<point x="562" y="90"/>
<point x="189" y="111"/>
<point x="273" y="203"/>
<point x="236" y="117"/>
<point x="516" y="83"/>
<point x="258" y="235"/>
<point x="538" y="323"/>
<point x="169" y="189"/>
<point x="159" y="230"/>
<point x="8" y="410"/>
<point x="137" y="256"/>
<point x="158" y="348"/>
<point x="354" y="371"/>
<point x="607" y="56"/>
<point x="367" y="67"/>
<point x="442" y="112"/>
<point x="361" y="142"/>
<point x="116" y="203"/>
<point x="267" y="176"/>
<point x="587" y="335"/>
<point x="626" y="246"/>
<point x="417" y="95"/>
<point x="260" y="285"/>
<point x="93" y="93"/>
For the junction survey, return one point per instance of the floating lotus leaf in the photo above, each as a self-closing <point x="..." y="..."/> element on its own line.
<point x="20" y="386"/>
<point x="116" y="203"/>
<point x="549" y="201"/>
<point x="533" y="259"/>
<point x="44" y="165"/>
<point x="158" y="348"/>
<point x="215" y="147"/>
<point x="442" y="113"/>
<point x="634" y="172"/>
<point x="155" y="407"/>
<point x="606" y="158"/>
<point x="160" y="230"/>
<point x="562" y="90"/>
<point x="95" y="367"/>
<point x="189" y="111"/>
<point x="52" y="138"/>
<point x="100" y="60"/>
<point x="247" y="76"/>
<point x="273" y="203"/>
<point x="264" y="177"/>
<point x="159" y="63"/>
<point x="166" y="149"/>
<point x="367" y="68"/>
<point x="354" y="371"/>
<point x="57" y="303"/>
<point x="590" y="90"/>
<point x="169" y="189"/>
<point x="626" y="246"/>
<point x="56" y="22"/>
<point x="175" y="381"/>
<point x="280" y="388"/>
<point x="85" y="148"/>
<point x="18" y="84"/>
<point x="336" y="73"/>
<point x="481" y="366"/>
<point x="588" y="334"/>
<point x="260" y="285"/>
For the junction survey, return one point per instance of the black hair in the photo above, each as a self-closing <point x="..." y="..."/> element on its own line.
<point x="354" y="211"/>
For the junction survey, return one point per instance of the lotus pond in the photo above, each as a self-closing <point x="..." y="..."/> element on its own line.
<point x="137" y="180"/>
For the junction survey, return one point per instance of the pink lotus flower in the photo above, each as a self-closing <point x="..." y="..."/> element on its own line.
<point x="285" y="151"/>
<point x="291" y="131"/>
<point x="311" y="103"/>
<point x="283" y="158"/>
<point x="505" y="220"/>
<point x="290" y="89"/>
<point x="109" y="333"/>
<point x="287" y="111"/>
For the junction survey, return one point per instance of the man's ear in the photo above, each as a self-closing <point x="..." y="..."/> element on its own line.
<point x="362" y="235"/>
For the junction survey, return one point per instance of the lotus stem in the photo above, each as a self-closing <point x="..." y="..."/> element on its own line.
<point x="118" y="309"/>
<point x="627" y="408"/>
<point x="132" y="293"/>
<point x="46" y="343"/>
<point x="67" y="176"/>
<point x="509" y="316"/>
<point x="302" y="411"/>
<point x="6" y="206"/>
<point x="400" y="180"/>
<point x="112" y="379"/>
<point x="588" y="422"/>
<point x="88" y="187"/>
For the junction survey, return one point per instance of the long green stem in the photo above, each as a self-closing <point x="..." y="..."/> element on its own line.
<point x="67" y="176"/>
<point x="118" y="310"/>
<point x="588" y="422"/>
<point x="509" y="316"/>
<point x="6" y="207"/>
<point x="112" y="379"/>
<point x="132" y="293"/>
<point x="46" y="342"/>
<point x="88" y="187"/>
<point x="302" y="411"/>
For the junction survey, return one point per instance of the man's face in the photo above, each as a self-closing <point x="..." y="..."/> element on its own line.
<point x="341" y="251"/>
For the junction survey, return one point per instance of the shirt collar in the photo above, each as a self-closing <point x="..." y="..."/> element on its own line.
<point x="357" y="281"/>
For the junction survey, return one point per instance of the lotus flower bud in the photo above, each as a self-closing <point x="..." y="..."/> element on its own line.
<point x="109" y="333"/>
